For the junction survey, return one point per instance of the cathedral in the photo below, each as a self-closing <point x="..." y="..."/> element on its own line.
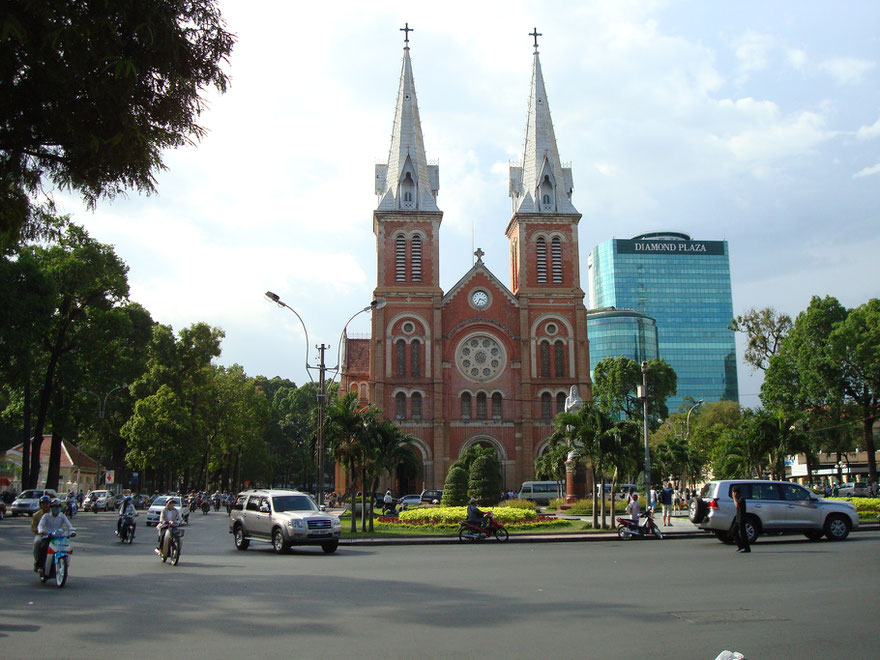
<point x="483" y="363"/>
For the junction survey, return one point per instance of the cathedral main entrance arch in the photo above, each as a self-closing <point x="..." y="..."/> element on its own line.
<point x="485" y="440"/>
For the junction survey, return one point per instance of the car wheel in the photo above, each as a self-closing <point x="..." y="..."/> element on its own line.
<point x="241" y="543"/>
<point x="278" y="543"/>
<point x="697" y="510"/>
<point x="837" y="528"/>
<point x="724" y="537"/>
<point x="330" y="547"/>
<point x="813" y="534"/>
<point x="753" y="529"/>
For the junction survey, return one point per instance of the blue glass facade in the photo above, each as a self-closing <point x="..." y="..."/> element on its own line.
<point x="685" y="286"/>
<point x="616" y="332"/>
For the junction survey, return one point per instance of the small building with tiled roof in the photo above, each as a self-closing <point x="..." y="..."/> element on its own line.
<point x="78" y="470"/>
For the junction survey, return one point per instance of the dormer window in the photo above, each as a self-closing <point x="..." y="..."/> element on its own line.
<point x="407" y="192"/>
<point x="547" y="193"/>
<point x="546" y="199"/>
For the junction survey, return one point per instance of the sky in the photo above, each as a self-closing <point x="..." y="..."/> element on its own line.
<point x="753" y="122"/>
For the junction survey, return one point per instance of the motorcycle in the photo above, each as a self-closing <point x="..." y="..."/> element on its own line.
<point x="469" y="531"/>
<point x="57" y="563"/>
<point x="216" y="503"/>
<point x="171" y="543"/>
<point x="206" y="506"/>
<point x="627" y="529"/>
<point x="70" y="507"/>
<point x="126" y="533"/>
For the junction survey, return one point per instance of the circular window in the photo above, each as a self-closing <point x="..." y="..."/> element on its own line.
<point x="408" y="328"/>
<point x="551" y="329"/>
<point x="480" y="357"/>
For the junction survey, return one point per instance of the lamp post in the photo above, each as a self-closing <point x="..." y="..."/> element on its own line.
<point x="644" y="396"/>
<point x="322" y="370"/>
<point x="102" y="406"/>
<point x="687" y="430"/>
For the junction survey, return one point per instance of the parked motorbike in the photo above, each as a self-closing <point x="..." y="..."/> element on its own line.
<point x="171" y="544"/>
<point x="627" y="528"/>
<point x="57" y="564"/>
<point x="126" y="533"/>
<point x="469" y="531"/>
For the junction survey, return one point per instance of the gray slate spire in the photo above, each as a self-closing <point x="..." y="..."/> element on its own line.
<point x="406" y="182"/>
<point x="540" y="184"/>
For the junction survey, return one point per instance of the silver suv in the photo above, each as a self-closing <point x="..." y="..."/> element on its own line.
<point x="282" y="518"/>
<point x="772" y="507"/>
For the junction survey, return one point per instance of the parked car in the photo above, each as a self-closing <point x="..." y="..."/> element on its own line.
<point x="104" y="500"/>
<point x="155" y="509"/>
<point x="140" y="501"/>
<point x="410" y="500"/>
<point x="431" y="496"/>
<point x="772" y="507"/>
<point x="28" y="501"/>
<point x="283" y="518"/>
<point x="858" y="489"/>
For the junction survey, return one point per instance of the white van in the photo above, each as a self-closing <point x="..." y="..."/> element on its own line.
<point x="621" y="491"/>
<point x="541" y="492"/>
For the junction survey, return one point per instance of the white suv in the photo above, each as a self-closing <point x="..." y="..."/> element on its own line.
<point x="282" y="518"/>
<point x="772" y="507"/>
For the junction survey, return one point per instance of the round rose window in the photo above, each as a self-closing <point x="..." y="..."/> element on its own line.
<point x="480" y="357"/>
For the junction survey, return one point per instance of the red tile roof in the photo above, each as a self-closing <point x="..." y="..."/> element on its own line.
<point x="71" y="456"/>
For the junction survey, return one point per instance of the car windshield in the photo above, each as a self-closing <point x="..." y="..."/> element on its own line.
<point x="30" y="494"/>
<point x="160" y="501"/>
<point x="293" y="503"/>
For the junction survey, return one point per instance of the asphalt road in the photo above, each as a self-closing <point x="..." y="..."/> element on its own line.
<point x="682" y="599"/>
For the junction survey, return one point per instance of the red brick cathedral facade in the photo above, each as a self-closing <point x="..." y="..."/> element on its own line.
<point x="482" y="363"/>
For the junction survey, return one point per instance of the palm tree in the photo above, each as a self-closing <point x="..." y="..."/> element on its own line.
<point x="620" y="452"/>
<point x="388" y="446"/>
<point x="346" y="435"/>
<point x="582" y="429"/>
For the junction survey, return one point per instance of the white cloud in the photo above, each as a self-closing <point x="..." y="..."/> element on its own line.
<point x="867" y="171"/>
<point x="752" y="51"/>
<point x="797" y="58"/>
<point x="847" y="70"/>
<point x="869" y="132"/>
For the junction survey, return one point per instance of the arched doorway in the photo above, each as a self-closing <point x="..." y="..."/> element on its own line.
<point x="500" y="453"/>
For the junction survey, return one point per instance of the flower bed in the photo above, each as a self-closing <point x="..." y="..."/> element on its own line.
<point x="452" y="515"/>
<point x="538" y="522"/>
<point x="867" y="507"/>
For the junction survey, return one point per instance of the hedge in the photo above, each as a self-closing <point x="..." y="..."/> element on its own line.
<point x="452" y="515"/>
<point x="863" y="504"/>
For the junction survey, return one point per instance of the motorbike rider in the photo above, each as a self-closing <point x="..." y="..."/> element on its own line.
<point x="45" y="500"/>
<point x="50" y="522"/>
<point x="475" y="516"/>
<point x="170" y="515"/>
<point x="388" y="501"/>
<point x="127" y="510"/>
<point x="633" y="508"/>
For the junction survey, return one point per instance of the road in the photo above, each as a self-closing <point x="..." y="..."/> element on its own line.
<point x="682" y="599"/>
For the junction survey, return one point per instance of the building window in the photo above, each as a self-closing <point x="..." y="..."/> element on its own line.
<point x="400" y="405"/>
<point x="496" y="405"/>
<point x="545" y="359"/>
<point x="560" y="402"/>
<point x="416" y="257"/>
<point x="546" y="199"/>
<point x="541" y="254"/>
<point x="559" y="350"/>
<point x="416" y="405"/>
<point x="416" y="358"/>
<point x="556" y="259"/>
<point x="363" y="394"/>
<point x="465" y="405"/>
<point x="481" y="405"/>
<point x="401" y="358"/>
<point x="400" y="259"/>
<point x="546" y="406"/>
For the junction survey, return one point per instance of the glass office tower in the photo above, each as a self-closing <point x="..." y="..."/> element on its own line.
<point x="685" y="286"/>
<point x="615" y="332"/>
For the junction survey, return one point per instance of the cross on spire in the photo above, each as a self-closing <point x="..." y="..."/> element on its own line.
<point x="479" y="254"/>
<point x="406" y="29"/>
<point x="534" y="33"/>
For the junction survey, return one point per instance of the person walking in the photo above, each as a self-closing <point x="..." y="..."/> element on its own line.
<point x="738" y="531"/>
<point x="666" y="501"/>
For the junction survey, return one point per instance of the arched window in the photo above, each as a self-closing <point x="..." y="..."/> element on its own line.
<point x="496" y="405"/>
<point x="541" y="256"/>
<point x="401" y="358"/>
<point x="416" y="257"/>
<point x="559" y="358"/>
<point x="400" y="405"/>
<point x="560" y="402"/>
<point x="416" y="405"/>
<point x="556" y="259"/>
<point x="400" y="259"/>
<point x="481" y="405"/>
<point x="408" y="187"/>
<point x="544" y="347"/>
<point x="363" y="394"/>
<point x="465" y="405"/>
<point x="546" y="199"/>
<point x="546" y="406"/>
<point x="416" y="358"/>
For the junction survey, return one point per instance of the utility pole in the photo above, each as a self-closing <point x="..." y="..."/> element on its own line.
<point x="322" y="403"/>
<point x="644" y="395"/>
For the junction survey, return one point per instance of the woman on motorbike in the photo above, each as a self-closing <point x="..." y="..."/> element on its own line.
<point x="169" y="517"/>
<point x="127" y="510"/>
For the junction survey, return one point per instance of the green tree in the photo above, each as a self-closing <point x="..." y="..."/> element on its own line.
<point x="582" y="430"/>
<point x="764" y="329"/>
<point x="484" y="479"/>
<point x="455" y="488"/>
<point x="389" y="446"/>
<point x="616" y="381"/>
<point x="93" y="92"/>
<point x="345" y="432"/>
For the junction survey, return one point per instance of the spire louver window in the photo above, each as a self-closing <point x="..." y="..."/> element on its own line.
<point x="541" y="253"/>
<point x="416" y="256"/>
<point x="556" y="259"/>
<point x="400" y="257"/>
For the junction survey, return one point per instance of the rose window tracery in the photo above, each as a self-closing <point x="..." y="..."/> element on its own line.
<point x="480" y="357"/>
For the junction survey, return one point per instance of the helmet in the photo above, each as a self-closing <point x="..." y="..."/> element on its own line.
<point x="55" y="503"/>
<point x="473" y="500"/>
<point x="127" y="499"/>
<point x="46" y="499"/>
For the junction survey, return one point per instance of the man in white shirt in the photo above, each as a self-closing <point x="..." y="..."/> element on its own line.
<point x="50" y="522"/>
<point x="634" y="509"/>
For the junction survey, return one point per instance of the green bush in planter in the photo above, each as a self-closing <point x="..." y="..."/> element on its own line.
<point x="455" y="488"/>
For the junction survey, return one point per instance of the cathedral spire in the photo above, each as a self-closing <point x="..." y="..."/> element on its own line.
<point x="540" y="184"/>
<point x="406" y="181"/>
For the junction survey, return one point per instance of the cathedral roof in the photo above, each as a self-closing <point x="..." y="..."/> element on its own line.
<point x="540" y="184"/>
<point x="478" y="267"/>
<point x="407" y="169"/>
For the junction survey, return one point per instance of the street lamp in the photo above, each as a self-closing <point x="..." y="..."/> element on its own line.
<point x="687" y="431"/>
<point x="322" y="370"/>
<point x="644" y="396"/>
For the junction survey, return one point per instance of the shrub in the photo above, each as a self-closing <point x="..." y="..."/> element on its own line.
<point x="521" y="504"/>
<point x="864" y="505"/>
<point x="484" y="481"/>
<point x="452" y="515"/>
<point x="581" y="508"/>
<point x="455" y="488"/>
